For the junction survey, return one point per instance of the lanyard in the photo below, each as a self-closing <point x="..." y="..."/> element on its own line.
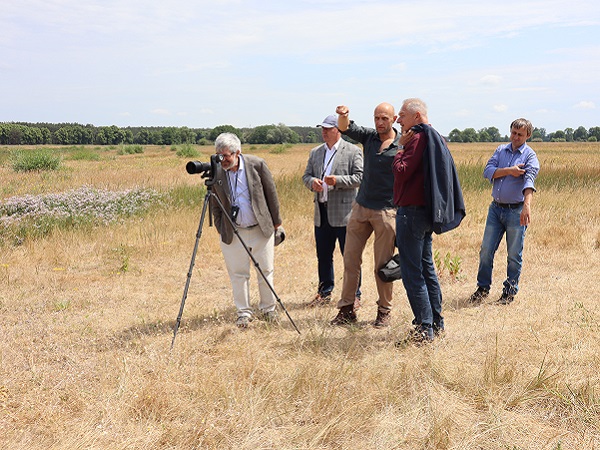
<point x="233" y="187"/>
<point x="326" y="166"/>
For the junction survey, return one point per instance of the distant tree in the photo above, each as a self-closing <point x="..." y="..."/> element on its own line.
<point x="156" y="138"/>
<point x="311" y="137"/>
<point x="187" y="135"/>
<point x="273" y="134"/>
<point x="170" y="136"/>
<point x="483" y="136"/>
<point x="494" y="134"/>
<point x="142" y="137"/>
<point x="580" y="134"/>
<point x="224" y="129"/>
<point x="455" y="136"/>
<point x="594" y="132"/>
<point x="469" y="135"/>
<point x="558" y="136"/>
<point x="569" y="134"/>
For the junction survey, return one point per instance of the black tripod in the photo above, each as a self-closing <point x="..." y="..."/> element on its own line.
<point x="209" y="193"/>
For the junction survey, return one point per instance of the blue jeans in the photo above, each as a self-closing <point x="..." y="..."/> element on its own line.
<point x="326" y="237"/>
<point x="413" y="237"/>
<point x="500" y="221"/>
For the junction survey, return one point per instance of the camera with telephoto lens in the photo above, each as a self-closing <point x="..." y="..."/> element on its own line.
<point x="206" y="170"/>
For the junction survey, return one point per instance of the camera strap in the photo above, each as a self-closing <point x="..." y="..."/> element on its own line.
<point x="233" y="185"/>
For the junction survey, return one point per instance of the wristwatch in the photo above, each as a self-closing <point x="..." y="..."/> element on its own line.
<point x="401" y="147"/>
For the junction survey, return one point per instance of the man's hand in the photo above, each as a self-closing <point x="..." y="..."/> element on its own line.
<point x="317" y="185"/>
<point x="330" y="180"/>
<point x="406" y="137"/>
<point x="516" y="171"/>
<point x="513" y="171"/>
<point x="343" y="120"/>
<point x="525" y="218"/>
<point x="342" y="110"/>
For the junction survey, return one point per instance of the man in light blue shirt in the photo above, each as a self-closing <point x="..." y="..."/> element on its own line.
<point x="512" y="170"/>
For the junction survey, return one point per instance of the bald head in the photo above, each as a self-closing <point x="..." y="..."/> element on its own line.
<point x="384" y="118"/>
<point x="384" y="108"/>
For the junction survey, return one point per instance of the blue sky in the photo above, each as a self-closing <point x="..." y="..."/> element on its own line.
<point x="200" y="64"/>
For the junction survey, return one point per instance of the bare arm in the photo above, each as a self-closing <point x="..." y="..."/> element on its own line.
<point x="343" y="121"/>
<point x="515" y="171"/>
<point x="526" y="212"/>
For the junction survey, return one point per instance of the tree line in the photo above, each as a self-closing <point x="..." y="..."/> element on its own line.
<point x="492" y="134"/>
<point x="22" y="133"/>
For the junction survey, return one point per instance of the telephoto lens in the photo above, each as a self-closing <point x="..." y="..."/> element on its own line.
<point x="194" y="167"/>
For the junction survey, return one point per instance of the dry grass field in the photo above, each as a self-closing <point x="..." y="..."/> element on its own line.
<point x="87" y="316"/>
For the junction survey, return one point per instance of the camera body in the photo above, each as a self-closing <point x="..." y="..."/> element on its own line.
<point x="206" y="170"/>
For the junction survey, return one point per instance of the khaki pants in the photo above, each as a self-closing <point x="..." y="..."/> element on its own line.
<point x="238" y="266"/>
<point x="363" y="222"/>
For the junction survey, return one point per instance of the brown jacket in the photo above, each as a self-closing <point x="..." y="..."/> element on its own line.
<point x="263" y="197"/>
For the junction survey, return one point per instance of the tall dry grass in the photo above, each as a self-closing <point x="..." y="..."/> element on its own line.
<point x="87" y="318"/>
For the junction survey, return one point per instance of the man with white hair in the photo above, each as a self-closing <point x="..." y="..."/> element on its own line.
<point x="247" y="191"/>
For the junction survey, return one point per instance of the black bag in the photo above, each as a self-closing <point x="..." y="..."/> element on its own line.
<point x="391" y="270"/>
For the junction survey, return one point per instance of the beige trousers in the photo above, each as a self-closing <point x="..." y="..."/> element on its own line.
<point x="364" y="222"/>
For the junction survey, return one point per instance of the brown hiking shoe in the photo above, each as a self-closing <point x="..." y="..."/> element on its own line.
<point x="345" y="316"/>
<point x="383" y="319"/>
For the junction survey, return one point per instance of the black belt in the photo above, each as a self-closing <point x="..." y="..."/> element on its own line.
<point x="508" y="205"/>
<point x="323" y="204"/>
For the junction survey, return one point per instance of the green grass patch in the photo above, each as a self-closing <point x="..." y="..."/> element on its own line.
<point x="36" y="159"/>
<point x="281" y="148"/>
<point x="187" y="151"/>
<point x="130" y="149"/>
<point x="83" y="154"/>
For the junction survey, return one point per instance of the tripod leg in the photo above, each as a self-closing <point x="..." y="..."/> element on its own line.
<point x="192" y="262"/>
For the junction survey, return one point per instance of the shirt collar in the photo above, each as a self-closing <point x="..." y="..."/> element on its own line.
<point x="334" y="147"/>
<point x="520" y="149"/>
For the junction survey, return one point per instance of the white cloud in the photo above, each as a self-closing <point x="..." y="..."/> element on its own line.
<point x="500" y="108"/>
<point x="491" y="80"/>
<point x="585" y="105"/>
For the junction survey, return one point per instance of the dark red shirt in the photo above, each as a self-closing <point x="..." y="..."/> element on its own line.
<point x="409" y="176"/>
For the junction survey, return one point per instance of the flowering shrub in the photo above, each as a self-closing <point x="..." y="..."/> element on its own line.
<point x="36" y="215"/>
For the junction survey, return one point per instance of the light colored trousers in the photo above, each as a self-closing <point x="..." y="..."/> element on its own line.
<point x="238" y="264"/>
<point x="361" y="225"/>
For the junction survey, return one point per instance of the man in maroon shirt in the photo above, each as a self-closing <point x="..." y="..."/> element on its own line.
<point x="414" y="228"/>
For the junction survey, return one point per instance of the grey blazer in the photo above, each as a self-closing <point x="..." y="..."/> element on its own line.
<point x="348" y="170"/>
<point x="263" y="197"/>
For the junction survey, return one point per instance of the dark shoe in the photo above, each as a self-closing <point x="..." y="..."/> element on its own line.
<point x="357" y="304"/>
<point x="243" y="321"/>
<point x="345" y="316"/>
<point x="383" y="319"/>
<point x="505" y="299"/>
<point x="320" y="300"/>
<point x="438" y="329"/>
<point x="419" y="335"/>
<point x="479" y="295"/>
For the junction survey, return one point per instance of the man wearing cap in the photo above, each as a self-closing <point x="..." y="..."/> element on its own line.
<point x="333" y="172"/>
